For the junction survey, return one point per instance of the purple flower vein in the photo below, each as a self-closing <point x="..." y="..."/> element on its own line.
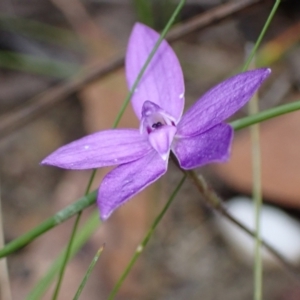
<point x="197" y="138"/>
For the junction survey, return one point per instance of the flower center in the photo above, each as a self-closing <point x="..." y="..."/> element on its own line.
<point x="160" y="128"/>
<point x="157" y="125"/>
<point x="154" y="118"/>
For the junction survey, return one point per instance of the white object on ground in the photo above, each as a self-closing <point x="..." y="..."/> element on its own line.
<point x="277" y="228"/>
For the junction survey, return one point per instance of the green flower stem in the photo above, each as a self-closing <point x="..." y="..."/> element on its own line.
<point x="71" y="240"/>
<point x="145" y="240"/>
<point x="88" y="273"/>
<point x="91" y="179"/>
<point x="51" y="222"/>
<point x="256" y="163"/>
<point x="66" y="257"/>
<point x="81" y="238"/>
<point x="261" y="36"/>
<point x="257" y="197"/>
<point x="265" y="115"/>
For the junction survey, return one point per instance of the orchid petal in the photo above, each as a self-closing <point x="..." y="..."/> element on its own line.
<point x="221" y="102"/>
<point x="127" y="180"/>
<point x="104" y="148"/>
<point x="162" y="82"/>
<point x="161" y="140"/>
<point x="210" y="146"/>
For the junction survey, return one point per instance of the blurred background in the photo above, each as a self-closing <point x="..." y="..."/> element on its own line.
<point x="61" y="77"/>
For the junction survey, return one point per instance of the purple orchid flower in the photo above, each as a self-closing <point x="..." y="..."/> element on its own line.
<point x="197" y="138"/>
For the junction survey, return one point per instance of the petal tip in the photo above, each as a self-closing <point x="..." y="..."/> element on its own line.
<point x="260" y="75"/>
<point x="104" y="208"/>
<point x="263" y="73"/>
<point x="46" y="162"/>
<point x="104" y="216"/>
<point x="104" y="212"/>
<point x="51" y="160"/>
<point x="267" y="72"/>
<point x="43" y="162"/>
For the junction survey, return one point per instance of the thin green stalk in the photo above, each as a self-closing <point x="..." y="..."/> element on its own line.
<point x="89" y="185"/>
<point x="48" y="224"/>
<point x="265" y="115"/>
<point x="262" y="34"/>
<point x="88" y="273"/>
<point x="257" y="197"/>
<point x="145" y="241"/>
<point x="71" y="240"/>
<point x="66" y="258"/>
<point x="253" y="108"/>
<point x="81" y="238"/>
<point x="256" y="163"/>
